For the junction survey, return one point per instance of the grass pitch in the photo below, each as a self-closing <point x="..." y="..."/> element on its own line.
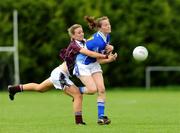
<point x="131" y="111"/>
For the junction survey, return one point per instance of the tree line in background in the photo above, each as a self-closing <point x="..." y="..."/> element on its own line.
<point x="43" y="32"/>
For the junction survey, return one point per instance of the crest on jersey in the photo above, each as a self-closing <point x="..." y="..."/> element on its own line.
<point x="90" y="38"/>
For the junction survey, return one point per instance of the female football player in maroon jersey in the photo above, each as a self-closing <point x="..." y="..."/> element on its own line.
<point x="59" y="77"/>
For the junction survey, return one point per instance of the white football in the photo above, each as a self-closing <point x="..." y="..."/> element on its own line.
<point x="140" y="53"/>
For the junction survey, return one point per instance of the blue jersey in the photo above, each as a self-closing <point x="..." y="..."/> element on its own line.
<point x="95" y="43"/>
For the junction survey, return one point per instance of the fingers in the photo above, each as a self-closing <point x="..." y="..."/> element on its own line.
<point x="115" y="55"/>
<point x="112" y="57"/>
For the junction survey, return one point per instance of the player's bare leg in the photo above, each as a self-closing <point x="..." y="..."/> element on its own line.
<point x="42" y="87"/>
<point x="74" y="92"/>
<point x="99" y="81"/>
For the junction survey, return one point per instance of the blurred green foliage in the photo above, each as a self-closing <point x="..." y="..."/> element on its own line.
<point x="43" y="32"/>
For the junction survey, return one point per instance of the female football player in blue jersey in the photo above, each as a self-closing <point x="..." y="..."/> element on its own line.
<point x="59" y="77"/>
<point x="88" y="69"/>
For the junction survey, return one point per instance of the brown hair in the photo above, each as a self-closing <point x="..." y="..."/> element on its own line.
<point x="94" y="23"/>
<point x="72" y="29"/>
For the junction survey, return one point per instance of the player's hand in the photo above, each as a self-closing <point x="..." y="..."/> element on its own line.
<point x="115" y="56"/>
<point x="112" y="57"/>
<point x="109" y="48"/>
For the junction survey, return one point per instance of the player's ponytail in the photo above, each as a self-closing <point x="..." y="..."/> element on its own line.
<point x="91" y="22"/>
<point x="94" y="24"/>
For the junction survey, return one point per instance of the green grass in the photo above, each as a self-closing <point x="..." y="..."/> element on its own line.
<point x="134" y="111"/>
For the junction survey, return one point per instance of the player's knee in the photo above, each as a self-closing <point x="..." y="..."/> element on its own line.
<point x="78" y="96"/>
<point x="101" y="92"/>
<point x="92" y="91"/>
<point x="40" y="89"/>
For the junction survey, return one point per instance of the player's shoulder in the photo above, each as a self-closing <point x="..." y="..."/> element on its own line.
<point x="94" y="38"/>
<point x="91" y="38"/>
<point x="73" y="46"/>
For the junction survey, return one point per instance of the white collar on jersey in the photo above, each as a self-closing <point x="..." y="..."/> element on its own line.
<point x="80" y="43"/>
<point x="103" y="36"/>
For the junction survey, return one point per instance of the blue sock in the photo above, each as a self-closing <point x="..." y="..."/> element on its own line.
<point x="82" y="90"/>
<point x="100" y="109"/>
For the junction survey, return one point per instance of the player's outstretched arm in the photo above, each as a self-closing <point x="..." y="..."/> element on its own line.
<point x="111" y="58"/>
<point x="92" y="54"/>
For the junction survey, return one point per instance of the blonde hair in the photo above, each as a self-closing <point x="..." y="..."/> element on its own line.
<point x="95" y="23"/>
<point x="71" y="30"/>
